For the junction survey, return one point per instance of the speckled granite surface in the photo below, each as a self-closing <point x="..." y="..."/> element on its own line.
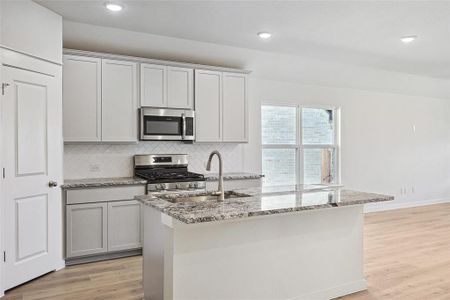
<point x="260" y="202"/>
<point x="101" y="182"/>
<point x="233" y="176"/>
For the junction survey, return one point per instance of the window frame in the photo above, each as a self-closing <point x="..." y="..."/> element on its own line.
<point x="300" y="147"/>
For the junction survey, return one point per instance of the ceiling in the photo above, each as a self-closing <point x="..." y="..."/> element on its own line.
<point x="356" y="32"/>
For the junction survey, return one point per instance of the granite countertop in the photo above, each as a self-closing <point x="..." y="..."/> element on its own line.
<point x="101" y="182"/>
<point x="262" y="201"/>
<point x="232" y="176"/>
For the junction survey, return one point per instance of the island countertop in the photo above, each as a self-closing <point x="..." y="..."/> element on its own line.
<point x="261" y="201"/>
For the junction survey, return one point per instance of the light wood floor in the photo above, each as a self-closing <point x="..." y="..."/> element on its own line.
<point x="407" y="256"/>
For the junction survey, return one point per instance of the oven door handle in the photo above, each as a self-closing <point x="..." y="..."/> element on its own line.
<point x="183" y="129"/>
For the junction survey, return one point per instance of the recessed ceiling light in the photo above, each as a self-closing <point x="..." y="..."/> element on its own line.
<point x="408" y="39"/>
<point x="113" y="6"/>
<point x="264" y="35"/>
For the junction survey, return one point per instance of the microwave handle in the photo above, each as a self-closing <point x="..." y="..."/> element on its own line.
<point x="183" y="130"/>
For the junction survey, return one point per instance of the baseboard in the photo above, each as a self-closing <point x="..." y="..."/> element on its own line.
<point x="382" y="206"/>
<point x="100" y="257"/>
<point x="337" y="291"/>
<point x="61" y="265"/>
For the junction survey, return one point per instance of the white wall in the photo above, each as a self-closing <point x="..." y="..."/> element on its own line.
<point x="18" y="17"/>
<point x="263" y="64"/>
<point x="380" y="152"/>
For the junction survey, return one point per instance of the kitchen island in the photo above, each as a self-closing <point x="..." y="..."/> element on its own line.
<point x="257" y="244"/>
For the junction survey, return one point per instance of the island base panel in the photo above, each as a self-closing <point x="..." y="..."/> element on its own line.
<point x="315" y="254"/>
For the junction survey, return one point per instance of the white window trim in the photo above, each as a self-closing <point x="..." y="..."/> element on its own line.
<point x="299" y="147"/>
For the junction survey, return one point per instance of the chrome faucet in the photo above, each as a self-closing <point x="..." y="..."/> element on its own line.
<point x="220" y="192"/>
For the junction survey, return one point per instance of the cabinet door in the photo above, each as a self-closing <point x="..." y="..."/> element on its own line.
<point x="208" y="102"/>
<point x="124" y="225"/>
<point x="119" y="101"/>
<point x="234" y="107"/>
<point x="180" y="87"/>
<point x="153" y="85"/>
<point x="86" y="229"/>
<point x="81" y="99"/>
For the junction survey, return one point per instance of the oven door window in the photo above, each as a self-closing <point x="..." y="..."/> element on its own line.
<point x="160" y="125"/>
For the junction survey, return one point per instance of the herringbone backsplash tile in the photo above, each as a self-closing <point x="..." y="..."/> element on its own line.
<point x="116" y="160"/>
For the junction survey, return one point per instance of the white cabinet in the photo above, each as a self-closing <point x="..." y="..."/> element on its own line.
<point x="99" y="100"/>
<point x="81" y="99"/>
<point x="119" y="101"/>
<point x="180" y="87"/>
<point x="221" y="106"/>
<point x="234" y="107"/>
<point x="124" y="225"/>
<point x="86" y="229"/>
<point x="102" y="221"/>
<point x="153" y="85"/>
<point x="208" y="102"/>
<point x="166" y="87"/>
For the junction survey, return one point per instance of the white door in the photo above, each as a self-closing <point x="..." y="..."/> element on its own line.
<point x="153" y="85"/>
<point x="180" y="87"/>
<point x="234" y="107"/>
<point x="32" y="158"/>
<point x="208" y="106"/>
<point x="119" y="101"/>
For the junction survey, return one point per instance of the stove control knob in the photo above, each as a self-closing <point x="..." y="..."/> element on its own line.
<point x="177" y="185"/>
<point x="161" y="187"/>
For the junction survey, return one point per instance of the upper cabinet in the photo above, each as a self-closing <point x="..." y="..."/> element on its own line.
<point x="102" y="94"/>
<point x="119" y="101"/>
<point x="99" y="100"/>
<point x="180" y="87"/>
<point x="221" y="106"/>
<point x="82" y="99"/>
<point x="208" y="106"/>
<point x="234" y="107"/>
<point x="166" y="87"/>
<point x="153" y="85"/>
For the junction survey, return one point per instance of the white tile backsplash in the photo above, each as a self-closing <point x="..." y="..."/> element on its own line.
<point x="116" y="160"/>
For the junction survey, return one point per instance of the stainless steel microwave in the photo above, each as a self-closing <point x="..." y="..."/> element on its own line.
<point x="167" y="124"/>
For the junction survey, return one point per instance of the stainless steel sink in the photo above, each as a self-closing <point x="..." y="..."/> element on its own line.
<point x="203" y="197"/>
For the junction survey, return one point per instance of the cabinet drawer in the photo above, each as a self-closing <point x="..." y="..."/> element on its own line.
<point x="104" y="194"/>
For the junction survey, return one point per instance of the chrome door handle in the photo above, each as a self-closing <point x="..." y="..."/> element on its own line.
<point x="52" y="184"/>
<point x="183" y="133"/>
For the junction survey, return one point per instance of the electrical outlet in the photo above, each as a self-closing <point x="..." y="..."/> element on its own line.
<point x="94" y="168"/>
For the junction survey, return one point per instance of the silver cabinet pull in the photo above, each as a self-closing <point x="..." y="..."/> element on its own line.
<point x="52" y="184"/>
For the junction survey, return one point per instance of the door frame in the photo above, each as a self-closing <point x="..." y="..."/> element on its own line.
<point x="11" y="58"/>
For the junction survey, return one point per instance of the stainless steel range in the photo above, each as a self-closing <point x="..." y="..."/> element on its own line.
<point x="167" y="172"/>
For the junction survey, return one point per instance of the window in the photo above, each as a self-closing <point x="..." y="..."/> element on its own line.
<point x="300" y="145"/>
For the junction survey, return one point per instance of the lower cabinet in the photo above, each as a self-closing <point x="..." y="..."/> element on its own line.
<point x="104" y="227"/>
<point x="124" y="225"/>
<point x="86" y="229"/>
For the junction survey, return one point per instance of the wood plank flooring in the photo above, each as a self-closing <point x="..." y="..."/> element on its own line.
<point x="407" y="256"/>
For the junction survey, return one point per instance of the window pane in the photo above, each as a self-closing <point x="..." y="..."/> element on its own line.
<point x="317" y="126"/>
<point x="278" y="124"/>
<point x="319" y="166"/>
<point x="278" y="166"/>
